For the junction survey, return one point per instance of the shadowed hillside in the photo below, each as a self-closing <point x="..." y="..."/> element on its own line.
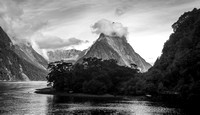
<point x="178" y="68"/>
<point x="20" y="62"/>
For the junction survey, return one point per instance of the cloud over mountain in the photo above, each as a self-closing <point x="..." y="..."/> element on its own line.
<point x="54" y="42"/>
<point x="109" y="28"/>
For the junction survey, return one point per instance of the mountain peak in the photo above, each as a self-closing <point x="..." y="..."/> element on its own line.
<point x="102" y="35"/>
<point x="109" y="37"/>
<point x="115" y="47"/>
<point x="113" y="35"/>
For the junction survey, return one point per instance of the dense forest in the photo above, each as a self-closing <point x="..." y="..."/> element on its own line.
<point x="178" y="68"/>
<point x="94" y="76"/>
<point x="176" y="71"/>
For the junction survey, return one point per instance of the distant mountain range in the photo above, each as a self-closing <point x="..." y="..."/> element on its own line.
<point x="67" y="55"/>
<point x="20" y="62"/>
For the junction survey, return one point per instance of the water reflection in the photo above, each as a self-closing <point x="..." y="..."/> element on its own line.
<point x="86" y="106"/>
<point x="19" y="98"/>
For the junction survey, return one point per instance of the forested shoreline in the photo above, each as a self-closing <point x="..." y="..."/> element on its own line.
<point x="94" y="76"/>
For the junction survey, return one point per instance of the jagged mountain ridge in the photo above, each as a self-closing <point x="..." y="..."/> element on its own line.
<point x="114" y="47"/>
<point x="20" y="62"/>
<point x="67" y="55"/>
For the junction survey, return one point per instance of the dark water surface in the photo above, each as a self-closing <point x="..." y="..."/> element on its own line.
<point x="19" y="98"/>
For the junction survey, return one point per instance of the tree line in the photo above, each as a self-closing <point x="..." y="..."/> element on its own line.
<point x="95" y="76"/>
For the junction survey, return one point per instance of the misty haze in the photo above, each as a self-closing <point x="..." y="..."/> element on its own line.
<point x="99" y="57"/>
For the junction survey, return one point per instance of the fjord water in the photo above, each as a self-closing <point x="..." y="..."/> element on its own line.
<point x="19" y="98"/>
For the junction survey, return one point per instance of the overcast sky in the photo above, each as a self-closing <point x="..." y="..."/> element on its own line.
<point x="65" y="24"/>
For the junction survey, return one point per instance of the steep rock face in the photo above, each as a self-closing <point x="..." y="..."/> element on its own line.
<point x="66" y="55"/>
<point x="16" y="64"/>
<point x="26" y="52"/>
<point x="114" y="47"/>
